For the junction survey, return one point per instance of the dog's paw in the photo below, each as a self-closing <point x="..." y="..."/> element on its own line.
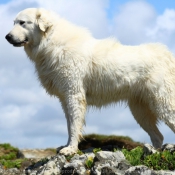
<point x="69" y="150"/>
<point x="59" y="148"/>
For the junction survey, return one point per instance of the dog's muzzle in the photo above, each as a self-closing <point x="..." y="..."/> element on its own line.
<point x="9" y="37"/>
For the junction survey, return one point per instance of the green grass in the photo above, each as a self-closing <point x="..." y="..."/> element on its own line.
<point x="159" y="161"/>
<point x="134" y="156"/>
<point x="11" y="163"/>
<point x="8" y="156"/>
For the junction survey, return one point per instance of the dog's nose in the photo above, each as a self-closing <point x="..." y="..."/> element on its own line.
<point x="8" y="37"/>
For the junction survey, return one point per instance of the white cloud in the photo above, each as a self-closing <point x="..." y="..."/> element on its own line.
<point x="132" y="20"/>
<point x="164" y="29"/>
<point x="136" y="22"/>
<point x="87" y="13"/>
<point x="31" y="118"/>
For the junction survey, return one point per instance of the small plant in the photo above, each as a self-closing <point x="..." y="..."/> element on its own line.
<point x="134" y="156"/>
<point x="89" y="162"/>
<point x="69" y="157"/>
<point x="44" y="160"/>
<point x="80" y="152"/>
<point x="8" y="156"/>
<point x="95" y="150"/>
<point x="115" y="150"/>
<point x="159" y="161"/>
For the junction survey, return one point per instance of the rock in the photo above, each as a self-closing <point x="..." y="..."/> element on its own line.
<point x="76" y="164"/>
<point x="107" y="161"/>
<point x="67" y="171"/>
<point x="20" y="154"/>
<point x="124" y="165"/>
<point x="104" y="156"/>
<point x="88" y="150"/>
<point x="51" y="168"/>
<point x="13" y="171"/>
<point x="138" y="170"/>
<point x="60" y="160"/>
<point x="1" y="170"/>
<point x="102" y="163"/>
<point x="161" y="172"/>
<point x="108" y="170"/>
<point x="143" y="170"/>
<point x="169" y="147"/>
<point x="82" y="171"/>
<point x="149" y="149"/>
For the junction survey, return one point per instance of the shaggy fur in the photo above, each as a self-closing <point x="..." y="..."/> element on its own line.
<point x="82" y="71"/>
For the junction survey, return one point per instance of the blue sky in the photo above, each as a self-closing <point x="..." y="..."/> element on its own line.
<point x="3" y="1"/>
<point x="29" y="118"/>
<point x="159" y="5"/>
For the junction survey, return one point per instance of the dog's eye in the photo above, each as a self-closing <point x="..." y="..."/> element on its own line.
<point x="21" y="22"/>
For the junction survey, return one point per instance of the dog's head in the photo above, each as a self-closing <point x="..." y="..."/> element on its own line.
<point x="29" y="26"/>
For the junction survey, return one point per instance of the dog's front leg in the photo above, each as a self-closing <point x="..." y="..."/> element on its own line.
<point x="75" y="106"/>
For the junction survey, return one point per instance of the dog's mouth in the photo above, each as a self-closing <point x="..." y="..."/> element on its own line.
<point x="20" y="44"/>
<point x="16" y="41"/>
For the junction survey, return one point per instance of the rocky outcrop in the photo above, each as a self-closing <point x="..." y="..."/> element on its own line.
<point x="99" y="163"/>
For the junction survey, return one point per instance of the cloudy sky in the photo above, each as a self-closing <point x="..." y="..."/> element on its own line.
<point x="29" y="118"/>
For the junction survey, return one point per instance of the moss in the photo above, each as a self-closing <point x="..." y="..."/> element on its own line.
<point x="99" y="141"/>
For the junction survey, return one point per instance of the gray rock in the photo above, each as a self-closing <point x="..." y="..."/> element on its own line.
<point x="109" y="171"/>
<point x="105" y="163"/>
<point x="51" y="168"/>
<point x="139" y="170"/>
<point x="82" y="171"/>
<point x="1" y="170"/>
<point x="89" y="150"/>
<point x="169" y="147"/>
<point x="67" y="171"/>
<point x="60" y="161"/>
<point x="149" y="149"/>
<point x="76" y="164"/>
<point x="161" y="172"/>
<point x="75" y="157"/>
<point x="124" y="165"/>
<point x="104" y="156"/>
<point x="11" y="171"/>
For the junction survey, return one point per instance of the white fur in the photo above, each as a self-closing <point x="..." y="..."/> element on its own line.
<point x="82" y="71"/>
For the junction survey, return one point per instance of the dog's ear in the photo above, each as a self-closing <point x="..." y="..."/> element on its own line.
<point x="43" y="20"/>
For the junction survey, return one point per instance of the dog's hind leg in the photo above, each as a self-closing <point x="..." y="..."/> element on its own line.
<point x="147" y="120"/>
<point x="164" y="107"/>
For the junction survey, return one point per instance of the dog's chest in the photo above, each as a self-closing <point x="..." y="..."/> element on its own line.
<point x="52" y="77"/>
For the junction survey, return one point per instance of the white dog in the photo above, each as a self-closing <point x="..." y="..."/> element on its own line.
<point x="82" y="71"/>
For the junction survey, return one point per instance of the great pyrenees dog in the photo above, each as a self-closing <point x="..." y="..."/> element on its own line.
<point x="83" y="71"/>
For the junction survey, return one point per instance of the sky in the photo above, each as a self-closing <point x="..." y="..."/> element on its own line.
<point x="30" y="118"/>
